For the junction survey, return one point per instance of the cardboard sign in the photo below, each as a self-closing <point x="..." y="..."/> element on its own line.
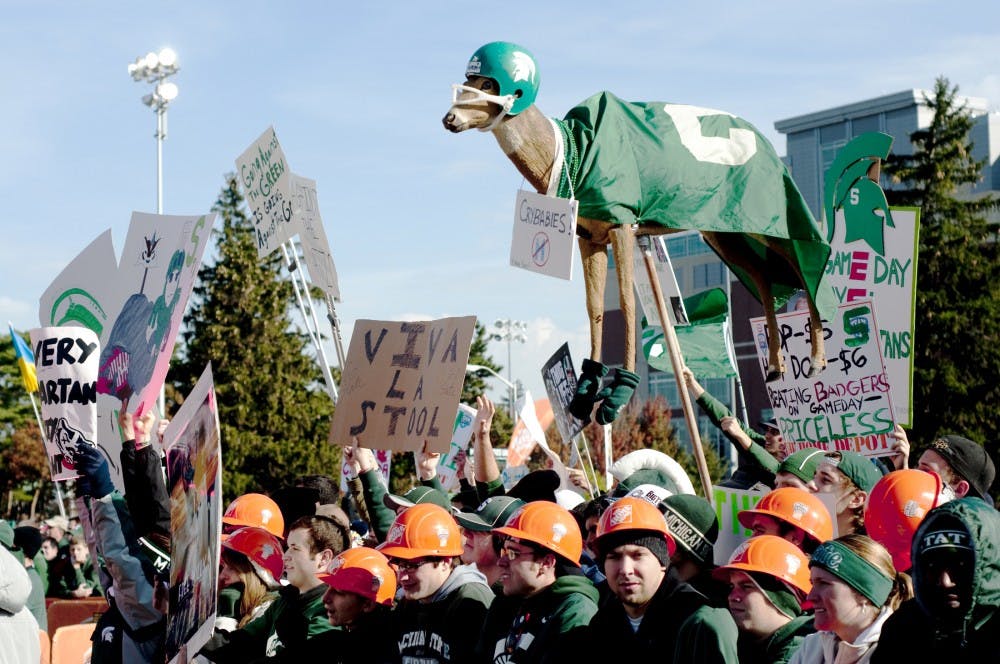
<point x="544" y="234"/>
<point x="66" y="366"/>
<point x="194" y="482"/>
<point x="846" y="407"/>
<point x="728" y="504"/>
<point x="668" y="284"/>
<point x="560" y="385"/>
<point x="315" y="248"/>
<point x="264" y="175"/>
<point x="856" y="271"/>
<point x="447" y="469"/>
<point x="402" y="382"/>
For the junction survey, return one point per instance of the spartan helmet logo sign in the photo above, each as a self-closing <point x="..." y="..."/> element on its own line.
<point x="266" y="551"/>
<point x="265" y="516"/>
<point x="621" y="514"/>
<point x="442" y="535"/>
<point x="558" y="532"/>
<point x="524" y="67"/>
<point x="799" y="510"/>
<point x="793" y="563"/>
<point x="912" y="510"/>
<point x="396" y="533"/>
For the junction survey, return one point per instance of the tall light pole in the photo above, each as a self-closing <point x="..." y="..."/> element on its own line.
<point x="509" y="330"/>
<point x="155" y="68"/>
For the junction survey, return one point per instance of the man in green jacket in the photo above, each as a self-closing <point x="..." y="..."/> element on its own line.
<point x="298" y="614"/>
<point x="653" y="615"/>
<point x="540" y="571"/>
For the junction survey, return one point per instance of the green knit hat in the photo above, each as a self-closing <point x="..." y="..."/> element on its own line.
<point x="782" y="597"/>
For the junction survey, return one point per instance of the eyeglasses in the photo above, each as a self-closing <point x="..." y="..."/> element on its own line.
<point x="513" y="554"/>
<point x="411" y="565"/>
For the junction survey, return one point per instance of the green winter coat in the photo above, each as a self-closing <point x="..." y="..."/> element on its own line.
<point x="291" y="619"/>
<point x="779" y="647"/>
<point x="913" y="634"/>
<point x="542" y="623"/>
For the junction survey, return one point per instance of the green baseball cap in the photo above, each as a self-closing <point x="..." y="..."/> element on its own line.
<point x="491" y="513"/>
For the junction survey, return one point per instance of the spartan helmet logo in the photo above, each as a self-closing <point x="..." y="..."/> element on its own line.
<point x="911" y="509"/>
<point x="799" y="510"/>
<point x="396" y="533"/>
<point x="621" y="514"/>
<point x="793" y="563"/>
<point x="265" y="516"/>
<point x="524" y="67"/>
<point x="442" y="535"/>
<point x="267" y="551"/>
<point x="335" y="564"/>
<point x="558" y="532"/>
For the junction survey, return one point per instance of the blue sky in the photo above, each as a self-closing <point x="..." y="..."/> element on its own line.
<point x="419" y="220"/>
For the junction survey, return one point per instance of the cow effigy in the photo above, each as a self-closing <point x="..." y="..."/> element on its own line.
<point x="645" y="168"/>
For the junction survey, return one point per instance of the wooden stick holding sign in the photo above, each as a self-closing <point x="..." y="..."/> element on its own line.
<point x="673" y="348"/>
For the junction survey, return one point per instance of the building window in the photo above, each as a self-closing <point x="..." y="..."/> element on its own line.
<point x="864" y="125"/>
<point x="708" y="275"/>
<point x="664" y="385"/>
<point x="687" y="244"/>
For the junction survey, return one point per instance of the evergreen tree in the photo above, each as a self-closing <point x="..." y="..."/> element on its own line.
<point x="274" y="413"/>
<point x="956" y="381"/>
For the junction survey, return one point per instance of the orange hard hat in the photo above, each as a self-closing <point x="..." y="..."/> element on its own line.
<point x="362" y="571"/>
<point x="262" y="549"/>
<point x="633" y="513"/>
<point x="423" y="530"/>
<point x="548" y="525"/>
<point x="770" y="554"/>
<point x="255" y="509"/>
<point x="896" y="506"/>
<point x="795" y="507"/>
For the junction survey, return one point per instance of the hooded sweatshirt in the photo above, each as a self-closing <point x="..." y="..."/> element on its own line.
<point x="18" y="628"/>
<point x="541" y="623"/>
<point x="446" y="628"/>
<point x="827" y="648"/>
<point x="779" y="647"/>
<point x="915" y="633"/>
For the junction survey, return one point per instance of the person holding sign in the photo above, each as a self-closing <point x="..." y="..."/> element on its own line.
<point x="759" y="454"/>
<point x="768" y="582"/>
<point x="855" y="589"/>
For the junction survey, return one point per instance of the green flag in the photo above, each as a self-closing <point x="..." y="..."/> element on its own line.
<point x="702" y="346"/>
<point x="686" y="167"/>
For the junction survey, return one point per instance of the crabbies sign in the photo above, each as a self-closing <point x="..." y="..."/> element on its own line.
<point x="66" y="361"/>
<point x="402" y="382"/>
<point x="264" y="175"/>
<point x="848" y="406"/>
<point x="544" y="234"/>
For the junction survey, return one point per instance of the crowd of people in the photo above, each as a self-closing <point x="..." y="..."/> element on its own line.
<point x="848" y="560"/>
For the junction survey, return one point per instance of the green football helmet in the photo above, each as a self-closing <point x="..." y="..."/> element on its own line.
<point x="512" y="67"/>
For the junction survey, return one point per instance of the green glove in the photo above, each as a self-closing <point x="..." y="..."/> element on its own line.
<point x="614" y="397"/>
<point x="582" y="404"/>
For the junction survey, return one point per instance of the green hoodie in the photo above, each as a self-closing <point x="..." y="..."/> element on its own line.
<point x="914" y="633"/>
<point x="777" y="648"/>
<point x="541" y="623"/>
